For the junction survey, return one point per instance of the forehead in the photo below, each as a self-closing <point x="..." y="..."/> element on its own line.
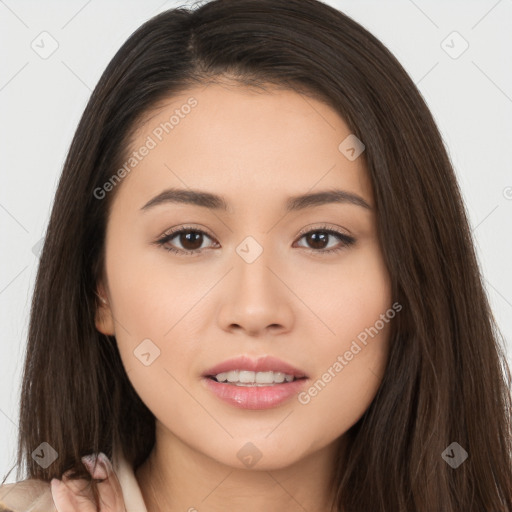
<point x="239" y="141"/>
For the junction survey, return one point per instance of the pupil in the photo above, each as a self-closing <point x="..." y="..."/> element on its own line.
<point x="189" y="239"/>
<point x="314" y="237"/>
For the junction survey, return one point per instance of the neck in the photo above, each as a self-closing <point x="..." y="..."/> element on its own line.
<point x="175" y="477"/>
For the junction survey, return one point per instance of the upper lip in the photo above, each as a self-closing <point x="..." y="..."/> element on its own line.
<point x="262" y="364"/>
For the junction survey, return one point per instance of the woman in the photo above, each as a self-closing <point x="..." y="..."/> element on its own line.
<point x="258" y="287"/>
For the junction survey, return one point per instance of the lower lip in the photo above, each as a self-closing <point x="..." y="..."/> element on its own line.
<point x="254" y="397"/>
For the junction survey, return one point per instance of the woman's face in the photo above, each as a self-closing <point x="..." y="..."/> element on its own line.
<point x="253" y="279"/>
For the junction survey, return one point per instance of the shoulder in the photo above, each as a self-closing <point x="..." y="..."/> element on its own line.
<point x="30" y="495"/>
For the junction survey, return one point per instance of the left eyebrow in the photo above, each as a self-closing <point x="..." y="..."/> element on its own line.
<point x="325" y="197"/>
<point x="216" y="202"/>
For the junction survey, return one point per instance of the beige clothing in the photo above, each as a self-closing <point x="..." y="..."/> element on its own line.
<point x="35" y="495"/>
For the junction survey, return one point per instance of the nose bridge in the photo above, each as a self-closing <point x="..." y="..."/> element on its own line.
<point x="255" y="298"/>
<point x="252" y="272"/>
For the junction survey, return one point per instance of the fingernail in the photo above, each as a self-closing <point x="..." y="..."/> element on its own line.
<point x="96" y="470"/>
<point x="89" y="461"/>
<point x="106" y="464"/>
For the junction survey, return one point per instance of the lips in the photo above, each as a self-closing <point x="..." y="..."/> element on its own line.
<point x="262" y="364"/>
<point x="254" y="395"/>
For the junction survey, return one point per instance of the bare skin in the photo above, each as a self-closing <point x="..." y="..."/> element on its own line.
<point x="293" y="301"/>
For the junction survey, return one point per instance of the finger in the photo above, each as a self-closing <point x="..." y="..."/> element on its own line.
<point x="81" y="492"/>
<point x="111" y="494"/>
<point x="65" y="499"/>
<point x="110" y="489"/>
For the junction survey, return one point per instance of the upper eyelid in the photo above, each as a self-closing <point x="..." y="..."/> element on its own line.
<point x="301" y="233"/>
<point x="323" y="227"/>
<point x="167" y="236"/>
<point x="181" y="229"/>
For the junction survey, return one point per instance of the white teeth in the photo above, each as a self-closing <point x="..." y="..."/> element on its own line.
<point x="264" y="377"/>
<point x="222" y="377"/>
<point x="278" y="377"/>
<point x="245" y="377"/>
<point x="232" y="376"/>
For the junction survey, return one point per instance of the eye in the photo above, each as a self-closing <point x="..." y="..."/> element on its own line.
<point x="191" y="240"/>
<point x="319" y="239"/>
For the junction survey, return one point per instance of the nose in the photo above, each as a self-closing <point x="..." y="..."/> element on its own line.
<point x="255" y="299"/>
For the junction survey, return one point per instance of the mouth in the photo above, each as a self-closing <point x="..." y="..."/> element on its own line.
<point x="254" y="384"/>
<point x="249" y="378"/>
<point x="244" y="370"/>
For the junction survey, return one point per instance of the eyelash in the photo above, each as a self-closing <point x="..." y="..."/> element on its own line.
<point x="346" y="241"/>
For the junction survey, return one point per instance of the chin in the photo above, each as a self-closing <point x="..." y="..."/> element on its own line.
<point x="258" y="454"/>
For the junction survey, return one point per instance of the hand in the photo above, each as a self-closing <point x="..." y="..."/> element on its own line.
<point x="71" y="496"/>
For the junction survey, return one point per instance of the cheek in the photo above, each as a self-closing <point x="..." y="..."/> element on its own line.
<point x="348" y="379"/>
<point x="153" y="298"/>
<point x="347" y="299"/>
<point x="351" y="355"/>
<point x="157" y="305"/>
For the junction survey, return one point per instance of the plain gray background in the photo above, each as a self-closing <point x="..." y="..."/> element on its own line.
<point x="469" y="91"/>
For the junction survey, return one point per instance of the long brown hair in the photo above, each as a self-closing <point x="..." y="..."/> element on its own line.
<point x="447" y="378"/>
